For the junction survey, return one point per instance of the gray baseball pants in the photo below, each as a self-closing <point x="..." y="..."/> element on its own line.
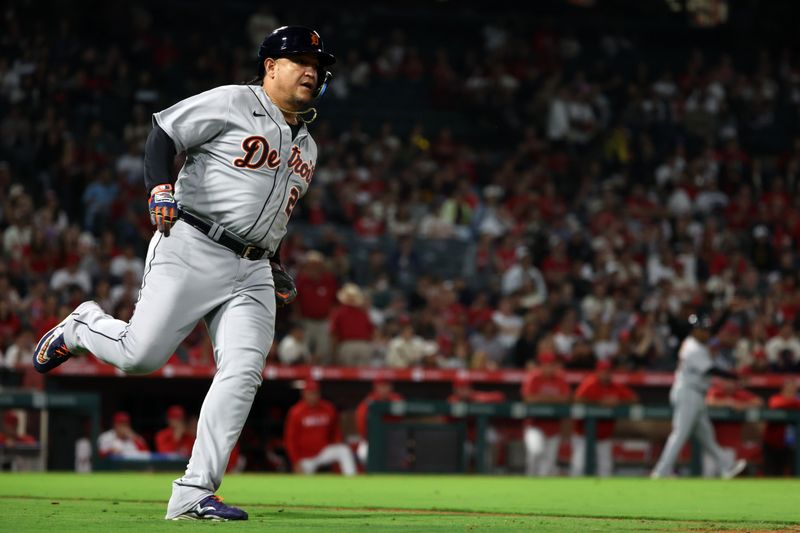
<point x="689" y="417"/>
<point x="188" y="277"/>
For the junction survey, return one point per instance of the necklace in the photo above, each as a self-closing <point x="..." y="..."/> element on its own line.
<point x="298" y="114"/>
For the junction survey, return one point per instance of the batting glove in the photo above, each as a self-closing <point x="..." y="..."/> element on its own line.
<point x="163" y="208"/>
<point x="285" y="290"/>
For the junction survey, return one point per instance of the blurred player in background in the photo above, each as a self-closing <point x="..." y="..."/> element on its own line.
<point x="687" y="396"/>
<point x="293" y="348"/>
<point x="544" y="384"/>
<point x="598" y="389"/>
<point x="312" y="435"/>
<point x="121" y="441"/>
<point x="780" y="439"/>
<point x="381" y="392"/>
<point x="732" y="394"/>
<point x="175" y="438"/>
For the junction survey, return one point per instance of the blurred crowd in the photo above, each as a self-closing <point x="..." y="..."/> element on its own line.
<point x="582" y="195"/>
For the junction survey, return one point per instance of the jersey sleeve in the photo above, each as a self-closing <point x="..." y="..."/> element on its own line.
<point x="197" y="119"/>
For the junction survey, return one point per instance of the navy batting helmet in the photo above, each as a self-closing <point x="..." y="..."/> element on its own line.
<point x="291" y="40"/>
<point x="700" y="320"/>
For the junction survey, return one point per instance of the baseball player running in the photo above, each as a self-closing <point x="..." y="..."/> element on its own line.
<point x="249" y="159"/>
<point x="687" y="396"/>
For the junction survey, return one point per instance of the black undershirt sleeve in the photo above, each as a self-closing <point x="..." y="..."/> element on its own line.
<point x="159" y="153"/>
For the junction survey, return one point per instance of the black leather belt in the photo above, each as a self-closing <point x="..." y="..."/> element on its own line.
<point x="227" y="239"/>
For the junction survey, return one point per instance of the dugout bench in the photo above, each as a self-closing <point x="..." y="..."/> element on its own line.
<point x="377" y="460"/>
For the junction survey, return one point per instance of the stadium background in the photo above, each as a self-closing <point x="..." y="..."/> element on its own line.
<point x="448" y="156"/>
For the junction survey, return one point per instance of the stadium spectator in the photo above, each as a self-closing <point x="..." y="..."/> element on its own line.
<point x="779" y="440"/>
<point x="293" y="348"/>
<point x="381" y="391"/>
<point x="312" y="435"/>
<point x="732" y="394"/>
<point x="10" y="324"/>
<point x="175" y="439"/>
<point x="127" y="261"/>
<point x="508" y="322"/>
<point x="121" y="442"/>
<point x="316" y="298"/>
<point x="408" y="349"/>
<point x="351" y="328"/>
<point x="17" y="354"/>
<point x="71" y="275"/>
<point x="783" y="350"/>
<point x="598" y="389"/>
<point x="487" y="347"/>
<point x="542" y="385"/>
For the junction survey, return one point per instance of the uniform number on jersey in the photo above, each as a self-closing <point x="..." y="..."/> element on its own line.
<point x="294" y="195"/>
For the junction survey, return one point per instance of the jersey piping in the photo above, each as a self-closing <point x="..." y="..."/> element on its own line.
<point x="275" y="176"/>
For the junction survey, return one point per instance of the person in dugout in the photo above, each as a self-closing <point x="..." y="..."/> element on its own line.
<point x="11" y="434"/>
<point x="598" y="389"/>
<point x="545" y="384"/>
<point x="312" y="436"/>
<point x="382" y="392"/>
<point x="121" y="441"/>
<point x="175" y="438"/>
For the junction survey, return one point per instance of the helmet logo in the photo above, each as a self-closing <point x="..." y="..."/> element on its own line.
<point x="315" y="39"/>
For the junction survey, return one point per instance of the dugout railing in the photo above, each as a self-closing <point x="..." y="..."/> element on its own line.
<point x="377" y="423"/>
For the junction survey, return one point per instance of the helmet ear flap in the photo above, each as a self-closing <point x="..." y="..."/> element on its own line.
<point x="326" y="77"/>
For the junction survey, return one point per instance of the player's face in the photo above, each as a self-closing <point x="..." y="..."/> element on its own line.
<point x="297" y="78"/>
<point x="311" y="397"/>
<point x="702" y="334"/>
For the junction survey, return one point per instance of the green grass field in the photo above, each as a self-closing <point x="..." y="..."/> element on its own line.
<point x="277" y="503"/>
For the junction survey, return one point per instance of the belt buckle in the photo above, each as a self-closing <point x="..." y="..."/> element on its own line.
<point x="249" y="249"/>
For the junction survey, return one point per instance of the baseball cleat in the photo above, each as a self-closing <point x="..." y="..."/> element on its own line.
<point x="51" y="350"/>
<point x="212" y="508"/>
<point x="737" y="468"/>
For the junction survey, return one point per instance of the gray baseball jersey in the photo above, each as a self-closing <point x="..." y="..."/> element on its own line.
<point x="694" y="362"/>
<point x="243" y="170"/>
